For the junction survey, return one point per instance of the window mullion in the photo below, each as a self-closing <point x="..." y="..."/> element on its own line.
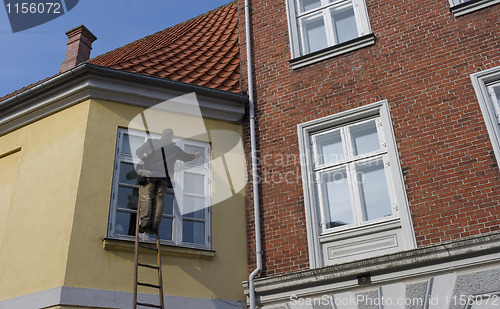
<point x="322" y="199"/>
<point x="352" y="177"/>
<point x="358" y="213"/>
<point x="329" y="27"/>
<point x="347" y="141"/>
<point x="302" y="36"/>
<point x="178" y="208"/>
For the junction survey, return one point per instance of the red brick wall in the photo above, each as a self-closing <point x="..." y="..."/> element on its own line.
<point x="420" y="63"/>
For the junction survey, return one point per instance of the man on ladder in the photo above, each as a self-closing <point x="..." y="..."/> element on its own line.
<point x="156" y="169"/>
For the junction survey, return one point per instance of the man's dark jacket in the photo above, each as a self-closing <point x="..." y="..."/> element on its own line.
<point x="151" y="155"/>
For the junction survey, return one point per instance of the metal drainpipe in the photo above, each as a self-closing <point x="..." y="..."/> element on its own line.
<point x="255" y="178"/>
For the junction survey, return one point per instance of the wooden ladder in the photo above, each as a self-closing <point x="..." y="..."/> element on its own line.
<point x="147" y="246"/>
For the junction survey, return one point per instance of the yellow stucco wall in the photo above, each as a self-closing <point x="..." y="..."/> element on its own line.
<point x="41" y="182"/>
<point x="58" y="182"/>
<point x="89" y="266"/>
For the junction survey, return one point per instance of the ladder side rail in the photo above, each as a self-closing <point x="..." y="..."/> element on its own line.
<point x="136" y="256"/>
<point x="160" y="281"/>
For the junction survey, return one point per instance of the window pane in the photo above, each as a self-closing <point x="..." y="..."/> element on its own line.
<point x="128" y="174"/>
<point x="125" y="223"/>
<point x="193" y="232"/>
<point x="337" y="199"/>
<point x="168" y="204"/>
<point x="130" y="143"/>
<point x="365" y="138"/>
<point x="345" y="25"/>
<point x="193" y="149"/>
<point x="194" y="207"/>
<point x="314" y="34"/>
<point x="329" y="148"/>
<point x="194" y="183"/>
<point x="165" y="229"/>
<point x="374" y="190"/>
<point x="306" y="5"/>
<point x="127" y="197"/>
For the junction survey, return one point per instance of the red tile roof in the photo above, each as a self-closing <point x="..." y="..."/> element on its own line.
<point x="202" y="51"/>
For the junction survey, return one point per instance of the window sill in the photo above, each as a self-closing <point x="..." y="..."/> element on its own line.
<point x="471" y="6"/>
<point x="128" y="246"/>
<point x="333" y="51"/>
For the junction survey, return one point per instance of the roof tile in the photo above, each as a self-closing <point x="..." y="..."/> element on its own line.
<point x="202" y="51"/>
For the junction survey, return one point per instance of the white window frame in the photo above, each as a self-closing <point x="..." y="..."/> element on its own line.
<point x="180" y="169"/>
<point x="350" y="165"/>
<point x="386" y="235"/>
<point x="462" y="7"/>
<point x="483" y="83"/>
<point x="300" y="57"/>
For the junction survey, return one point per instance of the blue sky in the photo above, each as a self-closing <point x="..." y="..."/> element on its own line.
<point x="34" y="54"/>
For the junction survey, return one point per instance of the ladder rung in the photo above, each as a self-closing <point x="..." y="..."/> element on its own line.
<point x="148" y="266"/>
<point x="148" y="305"/>
<point x="148" y="247"/>
<point x="148" y="285"/>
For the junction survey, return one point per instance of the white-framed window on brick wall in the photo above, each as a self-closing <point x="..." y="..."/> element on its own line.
<point x="321" y="29"/>
<point x="487" y="87"/>
<point x="356" y="205"/>
<point x="186" y="214"/>
<point x="462" y="7"/>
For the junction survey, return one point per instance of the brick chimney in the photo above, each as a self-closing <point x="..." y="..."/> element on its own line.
<point x="79" y="46"/>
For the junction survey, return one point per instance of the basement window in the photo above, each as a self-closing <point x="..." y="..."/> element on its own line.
<point x="186" y="215"/>
<point x="355" y="199"/>
<point x="462" y="7"/>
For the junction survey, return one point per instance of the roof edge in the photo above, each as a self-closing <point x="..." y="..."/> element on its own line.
<point x="106" y="71"/>
<point x="89" y="81"/>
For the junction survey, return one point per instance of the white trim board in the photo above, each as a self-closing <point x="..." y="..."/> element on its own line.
<point x="93" y="82"/>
